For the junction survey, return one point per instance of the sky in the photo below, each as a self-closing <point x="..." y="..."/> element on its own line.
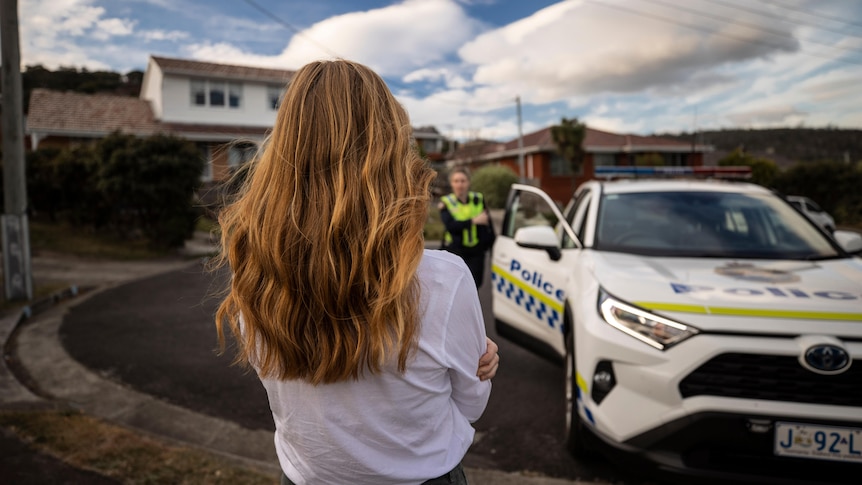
<point x="465" y="66"/>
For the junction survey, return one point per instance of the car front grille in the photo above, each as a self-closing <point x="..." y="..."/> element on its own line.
<point x="772" y="378"/>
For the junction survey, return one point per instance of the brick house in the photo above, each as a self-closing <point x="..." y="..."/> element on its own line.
<point x="547" y="169"/>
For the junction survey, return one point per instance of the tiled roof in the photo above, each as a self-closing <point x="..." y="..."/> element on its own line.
<point x="211" y="69"/>
<point x="80" y="114"/>
<point x="597" y="139"/>
<point x="476" y="148"/>
<point x="594" y="141"/>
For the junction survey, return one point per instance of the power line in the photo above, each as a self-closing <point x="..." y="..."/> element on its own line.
<point x="290" y="27"/>
<point x="747" y="24"/>
<point x="722" y="34"/>
<point x="812" y="13"/>
<point x="770" y="15"/>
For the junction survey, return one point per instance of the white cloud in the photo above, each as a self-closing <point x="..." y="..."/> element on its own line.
<point x="105" y="29"/>
<point x="158" y="34"/>
<point x="230" y="54"/>
<point x="451" y="79"/>
<point x="393" y="40"/>
<point x="50" y="31"/>
<point x="576" y="48"/>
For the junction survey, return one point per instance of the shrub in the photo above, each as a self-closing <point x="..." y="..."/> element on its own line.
<point x="149" y="184"/>
<point x="763" y="170"/>
<point x="494" y="182"/>
<point x="134" y="187"/>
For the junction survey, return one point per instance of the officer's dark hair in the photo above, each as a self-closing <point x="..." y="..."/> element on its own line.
<point x="463" y="170"/>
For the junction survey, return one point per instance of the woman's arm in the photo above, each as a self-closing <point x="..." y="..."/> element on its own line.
<point x="466" y="345"/>
<point x="455" y="227"/>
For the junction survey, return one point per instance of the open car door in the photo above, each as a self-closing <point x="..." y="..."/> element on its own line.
<point x="528" y="272"/>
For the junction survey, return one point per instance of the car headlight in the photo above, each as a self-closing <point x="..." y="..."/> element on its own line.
<point x="647" y="327"/>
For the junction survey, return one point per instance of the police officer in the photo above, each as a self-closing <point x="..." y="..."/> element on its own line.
<point x="469" y="231"/>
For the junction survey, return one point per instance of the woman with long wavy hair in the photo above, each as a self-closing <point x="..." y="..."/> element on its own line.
<point x="366" y="343"/>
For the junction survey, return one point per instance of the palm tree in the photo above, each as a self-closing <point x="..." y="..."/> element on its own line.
<point x="569" y="138"/>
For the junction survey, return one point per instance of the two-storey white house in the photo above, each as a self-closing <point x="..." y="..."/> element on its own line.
<point x="226" y="110"/>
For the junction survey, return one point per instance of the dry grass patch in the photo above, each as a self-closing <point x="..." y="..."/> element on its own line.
<point x="65" y="239"/>
<point x="88" y="443"/>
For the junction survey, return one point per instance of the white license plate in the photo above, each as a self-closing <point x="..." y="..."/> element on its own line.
<point x="818" y="442"/>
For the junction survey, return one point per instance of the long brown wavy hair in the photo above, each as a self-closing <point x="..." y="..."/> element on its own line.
<point x="325" y="236"/>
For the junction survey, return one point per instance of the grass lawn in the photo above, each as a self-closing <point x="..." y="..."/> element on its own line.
<point x="129" y="457"/>
<point x="66" y="239"/>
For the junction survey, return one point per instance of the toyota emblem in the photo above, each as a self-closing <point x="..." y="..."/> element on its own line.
<point x="827" y="359"/>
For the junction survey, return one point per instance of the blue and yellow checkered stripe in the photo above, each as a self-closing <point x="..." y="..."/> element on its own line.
<point x="536" y="303"/>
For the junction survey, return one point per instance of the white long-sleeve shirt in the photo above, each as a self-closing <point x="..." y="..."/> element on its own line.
<point x="392" y="428"/>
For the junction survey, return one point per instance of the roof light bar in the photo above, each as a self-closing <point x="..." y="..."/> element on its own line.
<point x="729" y="172"/>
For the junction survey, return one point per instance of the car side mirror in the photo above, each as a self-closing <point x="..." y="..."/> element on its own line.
<point x="849" y="241"/>
<point x="539" y="237"/>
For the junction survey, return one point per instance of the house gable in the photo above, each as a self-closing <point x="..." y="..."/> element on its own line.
<point x="205" y="93"/>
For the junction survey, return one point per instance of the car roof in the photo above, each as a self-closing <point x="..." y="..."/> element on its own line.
<point x="622" y="186"/>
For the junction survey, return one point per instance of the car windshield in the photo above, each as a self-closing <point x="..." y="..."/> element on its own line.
<point x="707" y="224"/>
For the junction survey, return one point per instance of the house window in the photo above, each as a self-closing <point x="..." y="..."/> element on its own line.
<point x="604" y="159"/>
<point x="560" y="166"/>
<point x="216" y="94"/>
<point x="199" y="92"/>
<point x="234" y="91"/>
<point x="674" y="159"/>
<point x="273" y="97"/>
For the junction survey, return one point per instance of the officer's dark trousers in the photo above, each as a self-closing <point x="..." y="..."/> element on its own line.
<point x="476" y="263"/>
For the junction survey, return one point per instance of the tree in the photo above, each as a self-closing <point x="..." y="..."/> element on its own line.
<point x="494" y="181"/>
<point x="649" y="160"/>
<point x="569" y="138"/>
<point x="763" y="170"/>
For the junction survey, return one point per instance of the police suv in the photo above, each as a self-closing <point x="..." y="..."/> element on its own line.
<point x="705" y="324"/>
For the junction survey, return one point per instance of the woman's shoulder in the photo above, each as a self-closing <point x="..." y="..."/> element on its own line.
<point x="438" y="261"/>
<point x="439" y="257"/>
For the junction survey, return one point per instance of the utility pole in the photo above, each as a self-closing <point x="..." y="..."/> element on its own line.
<point x="522" y="175"/>
<point x="17" y="277"/>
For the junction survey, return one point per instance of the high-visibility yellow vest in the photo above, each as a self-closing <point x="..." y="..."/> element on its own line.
<point x="464" y="212"/>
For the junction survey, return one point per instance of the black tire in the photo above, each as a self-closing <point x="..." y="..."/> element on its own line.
<point x="575" y="432"/>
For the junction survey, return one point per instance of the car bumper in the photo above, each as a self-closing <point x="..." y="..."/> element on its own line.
<point x="724" y="431"/>
<point x="720" y="448"/>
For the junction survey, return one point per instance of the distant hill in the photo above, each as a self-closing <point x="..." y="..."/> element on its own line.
<point x="785" y="146"/>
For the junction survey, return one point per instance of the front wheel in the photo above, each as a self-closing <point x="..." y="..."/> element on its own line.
<point x="575" y="432"/>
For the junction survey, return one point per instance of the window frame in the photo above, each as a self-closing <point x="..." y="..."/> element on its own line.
<point x="215" y="93"/>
